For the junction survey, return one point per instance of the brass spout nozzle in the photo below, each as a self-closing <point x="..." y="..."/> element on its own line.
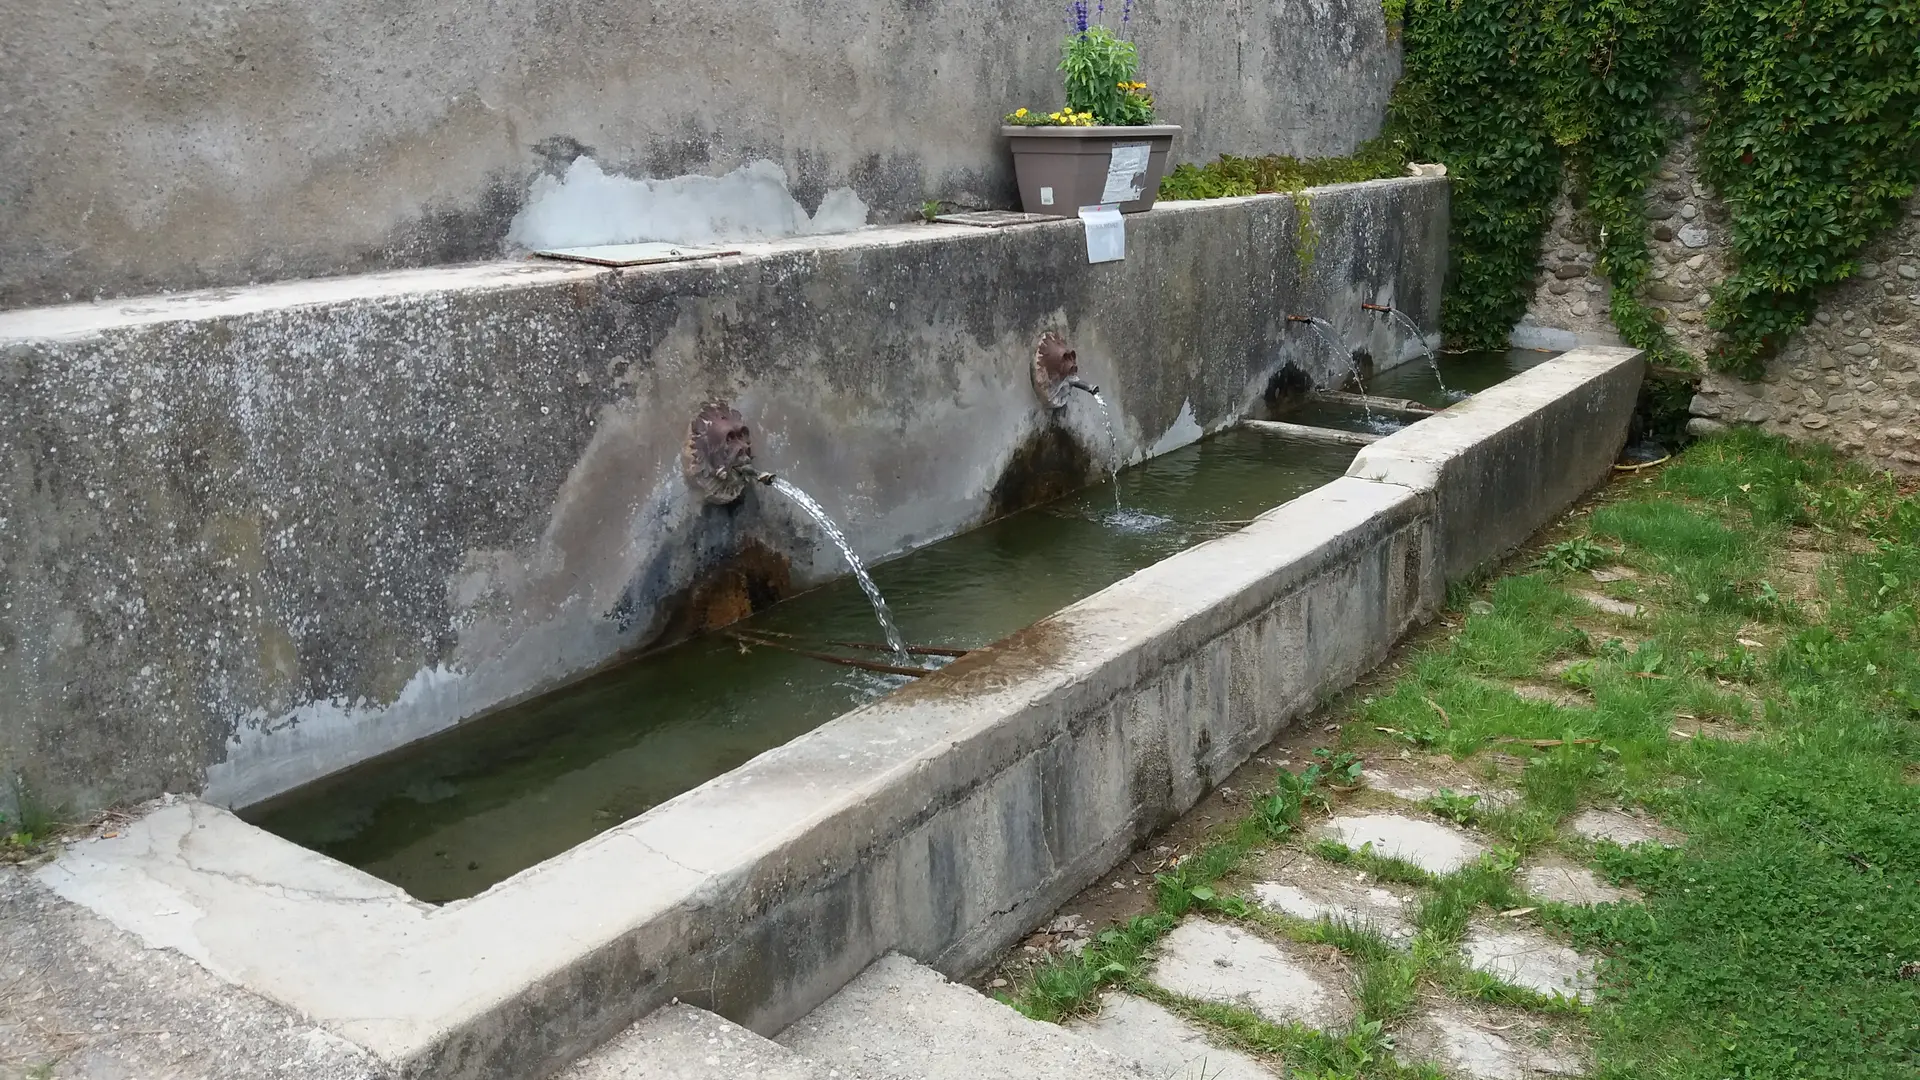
<point x="1300" y="318"/>
<point x="1079" y="383"/>
<point x="1382" y="308"/>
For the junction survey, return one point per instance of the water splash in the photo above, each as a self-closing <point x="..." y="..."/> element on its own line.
<point x="1138" y="522"/>
<point x="1113" y="449"/>
<point x="1433" y="362"/>
<point x="819" y="515"/>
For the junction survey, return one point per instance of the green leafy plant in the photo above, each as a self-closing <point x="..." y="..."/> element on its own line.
<point x="1333" y="851"/>
<point x="1579" y="553"/>
<point x="1066" y="985"/>
<point x="1098" y="69"/>
<point x="1341" y="769"/>
<point x="1455" y="806"/>
<point x="1230" y="176"/>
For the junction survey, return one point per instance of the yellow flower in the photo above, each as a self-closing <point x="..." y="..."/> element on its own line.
<point x="1020" y="112"/>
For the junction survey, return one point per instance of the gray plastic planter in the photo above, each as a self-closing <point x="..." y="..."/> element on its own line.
<point x="1061" y="169"/>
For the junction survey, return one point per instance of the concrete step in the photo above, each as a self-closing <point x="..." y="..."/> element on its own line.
<point x="680" y="1042"/>
<point x="1162" y="1044"/>
<point x="901" y="1020"/>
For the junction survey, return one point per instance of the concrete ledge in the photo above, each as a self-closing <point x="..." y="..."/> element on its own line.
<point x="1506" y="461"/>
<point x="942" y="822"/>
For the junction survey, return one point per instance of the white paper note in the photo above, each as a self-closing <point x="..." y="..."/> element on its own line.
<point x="1124" y="170"/>
<point x="1106" y="233"/>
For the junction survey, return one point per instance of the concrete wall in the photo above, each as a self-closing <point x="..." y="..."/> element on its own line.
<point x="251" y="537"/>
<point x="166" y="144"/>
<point x="944" y="821"/>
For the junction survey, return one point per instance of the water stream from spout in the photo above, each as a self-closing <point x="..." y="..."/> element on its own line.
<point x="1324" y="329"/>
<point x="819" y="515"/>
<point x="1432" y="361"/>
<point x="1113" y="448"/>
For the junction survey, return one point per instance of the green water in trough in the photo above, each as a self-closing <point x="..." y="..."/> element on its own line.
<point x="447" y="817"/>
<point x="1463" y="373"/>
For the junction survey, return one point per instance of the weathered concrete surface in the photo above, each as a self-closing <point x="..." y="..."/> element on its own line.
<point x="249" y="538"/>
<point x="165" y="144"/>
<point x="1562" y="882"/>
<point x="1161" y="1045"/>
<point x="1429" y="845"/>
<point x="1488" y="1043"/>
<point x="1622" y="827"/>
<point x="943" y="821"/>
<point x="1315" y="890"/>
<point x="1234" y="966"/>
<point x="1525" y="957"/>
<point x="681" y="1042"/>
<point x="80" y="998"/>
<point x="900" y="1020"/>
<point x="1505" y="460"/>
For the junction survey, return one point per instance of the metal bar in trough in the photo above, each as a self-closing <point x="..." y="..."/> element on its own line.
<point x="1315" y="434"/>
<point x="1368" y="401"/>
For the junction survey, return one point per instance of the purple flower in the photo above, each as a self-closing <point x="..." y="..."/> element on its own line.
<point x="1126" y="11"/>
<point x="1077" y="16"/>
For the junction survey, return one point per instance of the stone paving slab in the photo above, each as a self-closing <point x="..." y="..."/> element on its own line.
<point x="1162" y="1044"/>
<point x="1622" y="827"/>
<point x="1212" y="962"/>
<point x="1338" y="897"/>
<point x="1526" y="957"/>
<point x="1417" y="782"/>
<point x="1562" y="881"/>
<point x="1433" y="847"/>
<point x="1488" y="1044"/>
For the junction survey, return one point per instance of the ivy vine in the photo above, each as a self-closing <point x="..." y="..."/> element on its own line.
<point x="1813" y="141"/>
<point x="1811" y="137"/>
<point x="1470" y="97"/>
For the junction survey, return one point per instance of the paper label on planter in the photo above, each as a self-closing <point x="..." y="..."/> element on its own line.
<point x="1106" y="233"/>
<point x="1046" y="196"/>
<point x="1124" y="170"/>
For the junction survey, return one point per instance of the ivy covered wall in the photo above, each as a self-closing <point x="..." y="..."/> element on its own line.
<point x="1805" y="140"/>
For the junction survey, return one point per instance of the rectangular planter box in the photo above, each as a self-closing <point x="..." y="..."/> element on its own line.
<point x="1061" y="169"/>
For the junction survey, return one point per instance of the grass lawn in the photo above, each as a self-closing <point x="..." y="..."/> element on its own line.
<point x="1729" y="643"/>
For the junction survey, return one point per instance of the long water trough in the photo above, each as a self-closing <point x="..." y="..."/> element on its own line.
<point x="447" y="818"/>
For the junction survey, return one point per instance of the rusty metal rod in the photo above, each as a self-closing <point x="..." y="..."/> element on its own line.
<point x="832" y="658"/>
<point x="876" y="646"/>
<point x="915" y="650"/>
<point x="1313" y="434"/>
<point x="1384" y="404"/>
